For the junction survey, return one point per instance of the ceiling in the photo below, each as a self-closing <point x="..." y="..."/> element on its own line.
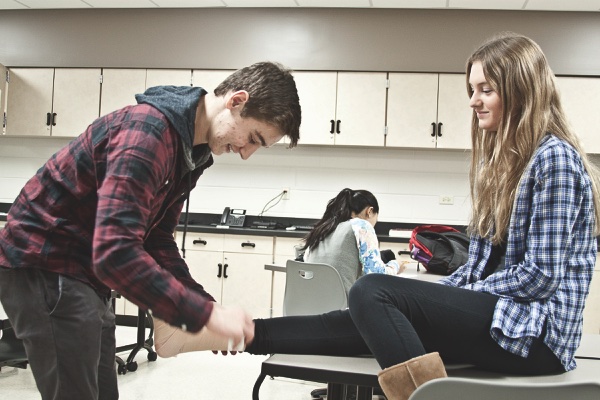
<point x="529" y="5"/>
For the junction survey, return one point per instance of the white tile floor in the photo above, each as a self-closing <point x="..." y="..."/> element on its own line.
<point x="198" y="376"/>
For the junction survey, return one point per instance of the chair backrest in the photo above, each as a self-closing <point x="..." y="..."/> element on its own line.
<point x="312" y="288"/>
<point x="471" y="389"/>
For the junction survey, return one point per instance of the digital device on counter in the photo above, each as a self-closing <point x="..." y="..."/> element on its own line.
<point x="233" y="217"/>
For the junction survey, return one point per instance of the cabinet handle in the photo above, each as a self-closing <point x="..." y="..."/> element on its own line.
<point x="433" y="129"/>
<point x="53" y="119"/>
<point x="225" y="270"/>
<point x="440" y="129"/>
<point x="339" y="122"/>
<point x="332" y="126"/>
<point x="201" y="241"/>
<point x="220" y="270"/>
<point x="48" y="119"/>
<point x="248" y="244"/>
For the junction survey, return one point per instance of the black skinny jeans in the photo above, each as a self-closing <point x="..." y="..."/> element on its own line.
<point x="396" y="319"/>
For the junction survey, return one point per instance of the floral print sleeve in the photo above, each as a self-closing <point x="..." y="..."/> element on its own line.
<point x="368" y="249"/>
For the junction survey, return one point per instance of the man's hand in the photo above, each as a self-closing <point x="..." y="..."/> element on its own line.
<point x="233" y="323"/>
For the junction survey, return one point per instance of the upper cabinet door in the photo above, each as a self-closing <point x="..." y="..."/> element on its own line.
<point x="454" y="114"/>
<point x="581" y="102"/>
<point x="119" y="87"/>
<point x="412" y="110"/>
<point x="76" y="100"/>
<point x="360" y="115"/>
<point x="209" y="79"/>
<point x="29" y="101"/>
<point x="168" y="77"/>
<point x="317" y="93"/>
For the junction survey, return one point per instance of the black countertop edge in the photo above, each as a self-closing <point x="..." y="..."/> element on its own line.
<point x="207" y="223"/>
<point x="4" y="209"/>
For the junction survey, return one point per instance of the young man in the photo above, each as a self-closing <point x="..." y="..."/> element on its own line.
<point x="100" y="215"/>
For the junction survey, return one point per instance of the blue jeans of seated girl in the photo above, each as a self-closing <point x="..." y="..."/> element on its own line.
<point x="397" y="319"/>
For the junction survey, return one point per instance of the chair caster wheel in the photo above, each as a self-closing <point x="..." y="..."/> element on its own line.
<point x="122" y="369"/>
<point x="132" y="366"/>
<point x="152" y="356"/>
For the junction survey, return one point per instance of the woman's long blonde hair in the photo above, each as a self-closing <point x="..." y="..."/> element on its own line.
<point x="516" y="68"/>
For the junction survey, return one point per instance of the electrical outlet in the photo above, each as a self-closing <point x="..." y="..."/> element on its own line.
<point x="286" y="193"/>
<point x="447" y="200"/>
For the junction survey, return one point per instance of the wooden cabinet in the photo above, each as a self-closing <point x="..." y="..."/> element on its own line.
<point x="342" y="108"/>
<point x="209" y="79"/>
<point x="419" y="110"/>
<point x="119" y="87"/>
<point x="231" y="269"/>
<point x="52" y="101"/>
<point x="428" y="110"/>
<point x="174" y="77"/>
<point x="581" y="102"/>
<point x="29" y="101"/>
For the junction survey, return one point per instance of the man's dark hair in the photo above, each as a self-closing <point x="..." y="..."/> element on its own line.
<point x="273" y="96"/>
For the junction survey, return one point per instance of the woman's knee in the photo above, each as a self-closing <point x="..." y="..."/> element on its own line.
<point x="366" y="289"/>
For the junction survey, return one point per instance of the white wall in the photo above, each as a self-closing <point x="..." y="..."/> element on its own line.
<point x="407" y="183"/>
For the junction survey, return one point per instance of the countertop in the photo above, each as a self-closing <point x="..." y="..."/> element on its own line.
<point x="207" y="223"/>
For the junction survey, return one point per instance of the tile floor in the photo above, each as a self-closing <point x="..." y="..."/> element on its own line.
<point x="198" y="376"/>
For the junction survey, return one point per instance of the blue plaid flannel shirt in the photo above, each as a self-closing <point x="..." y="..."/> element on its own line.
<point x="550" y="257"/>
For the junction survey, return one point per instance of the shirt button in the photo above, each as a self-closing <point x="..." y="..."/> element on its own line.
<point x="184" y="327"/>
<point x="149" y="311"/>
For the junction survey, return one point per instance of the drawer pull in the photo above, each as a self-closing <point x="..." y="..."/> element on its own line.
<point x="248" y="244"/>
<point x="201" y="241"/>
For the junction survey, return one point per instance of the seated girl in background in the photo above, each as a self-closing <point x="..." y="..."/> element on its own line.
<point x="345" y="238"/>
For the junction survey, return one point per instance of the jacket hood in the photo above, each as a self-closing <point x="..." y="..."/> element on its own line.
<point x="178" y="104"/>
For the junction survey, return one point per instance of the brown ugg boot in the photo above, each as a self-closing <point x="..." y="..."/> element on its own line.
<point x="399" y="381"/>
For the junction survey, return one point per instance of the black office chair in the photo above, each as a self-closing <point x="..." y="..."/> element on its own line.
<point x="144" y="320"/>
<point x="12" y="351"/>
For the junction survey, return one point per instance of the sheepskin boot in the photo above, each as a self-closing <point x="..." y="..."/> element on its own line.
<point x="401" y="380"/>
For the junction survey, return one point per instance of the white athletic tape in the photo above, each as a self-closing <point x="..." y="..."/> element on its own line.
<point x="237" y="347"/>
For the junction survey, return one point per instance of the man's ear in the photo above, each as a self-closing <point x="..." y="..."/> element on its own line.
<point x="237" y="99"/>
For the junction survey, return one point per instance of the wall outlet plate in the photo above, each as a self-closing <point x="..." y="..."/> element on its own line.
<point x="446" y="200"/>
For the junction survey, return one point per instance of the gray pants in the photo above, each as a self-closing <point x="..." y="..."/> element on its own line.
<point x="68" y="332"/>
